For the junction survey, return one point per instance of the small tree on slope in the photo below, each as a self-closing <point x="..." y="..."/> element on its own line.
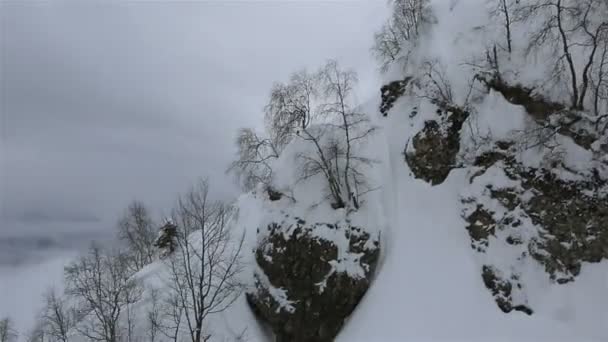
<point x="203" y="270"/>
<point x="102" y="284"/>
<point x="318" y="109"/>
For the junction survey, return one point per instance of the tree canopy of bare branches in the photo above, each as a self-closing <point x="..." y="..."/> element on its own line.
<point x="7" y="330"/>
<point x="319" y="109"/>
<point x="252" y="165"/>
<point x="203" y="270"/>
<point x="399" y="35"/>
<point x="574" y="28"/>
<point x="503" y="9"/>
<point x="57" y="317"/>
<point x="137" y="230"/>
<point x="101" y="282"/>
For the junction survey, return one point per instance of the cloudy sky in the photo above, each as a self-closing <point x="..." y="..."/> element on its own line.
<point x="104" y="102"/>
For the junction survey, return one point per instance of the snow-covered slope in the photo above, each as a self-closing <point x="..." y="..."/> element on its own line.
<point x="429" y="287"/>
<point x="428" y="284"/>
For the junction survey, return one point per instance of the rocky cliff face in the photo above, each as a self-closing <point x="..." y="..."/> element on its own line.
<point x="311" y="276"/>
<point x="549" y="210"/>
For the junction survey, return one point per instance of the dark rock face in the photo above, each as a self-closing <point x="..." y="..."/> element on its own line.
<point x="528" y="213"/>
<point x="273" y="195"/>
<point x="541" y="109"/>
<point x="315" y="293"/>
<point x="572" y="215"/>
<point x="390" y="93"/>
<point x="501" y="290"/>
<point x="435" y="147"/>
<point x="481" y="226"/>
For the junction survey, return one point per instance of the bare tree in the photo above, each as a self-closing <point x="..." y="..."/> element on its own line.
<point x="338" y="87"/>
<point x="57" y="317"/>
<point x="255" y="153"/>
<point x="137" y="230"/>
<point x="101" y="282"/>
<point x="577" y="27"/>
<point x="399" y="35"/>
<point x="594" y="32"/>
<point x="503" y="10"/>
<point x="203" y="270"/>
<point x="291" y="107"/>
<point x="319" y="109"/>
<point x="600" y="86"/>
<point x="172" y="315"/>
<point x="438" y="88"/>
<point x="153" y="316"/>
<point x="8" y="333"/>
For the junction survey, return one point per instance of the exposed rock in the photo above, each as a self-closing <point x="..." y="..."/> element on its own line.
<point x="481" y="226"/>
<point x="574" y="221"/>
<point x="537" y="106"/>
<point x="572" y="216"/>
<point x="273" y="195"/>
<point x="305" y="286"/>
<point x="435" y="147"/>
<point x="541" y="110"/>
<point x="501" y="289"/>
<point x="390" y="93"/>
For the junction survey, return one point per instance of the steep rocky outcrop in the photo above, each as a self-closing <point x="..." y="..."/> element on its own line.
<point x="570" y="216"/>
<point x="545" y="112"/>
<point x="434" y="149"/>
<point x="390" y="92"/>
<point x="516" y="213"/>
<point x="502" y="290"/>
<point x="310" y="277"/>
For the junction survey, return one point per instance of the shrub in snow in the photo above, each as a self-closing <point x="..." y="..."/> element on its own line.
<point x="166" y="240"/>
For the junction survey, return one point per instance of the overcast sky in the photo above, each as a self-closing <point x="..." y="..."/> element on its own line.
<point x="105" y="102"/>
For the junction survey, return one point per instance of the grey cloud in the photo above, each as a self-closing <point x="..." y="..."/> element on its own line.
<point x="105" y="102"/>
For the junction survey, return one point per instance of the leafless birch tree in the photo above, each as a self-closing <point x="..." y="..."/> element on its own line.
<point x="319" y="109"/>
<point x="7" y="330"/>
<point x="573" y="28"/>
<point x="252" y="165"/>
<point x="399" y="35"/>
<point x="102" y="284"/>
<point x="203" y="270"/>
<point x="57" y="316"/>
<point x="137" y="230"/>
